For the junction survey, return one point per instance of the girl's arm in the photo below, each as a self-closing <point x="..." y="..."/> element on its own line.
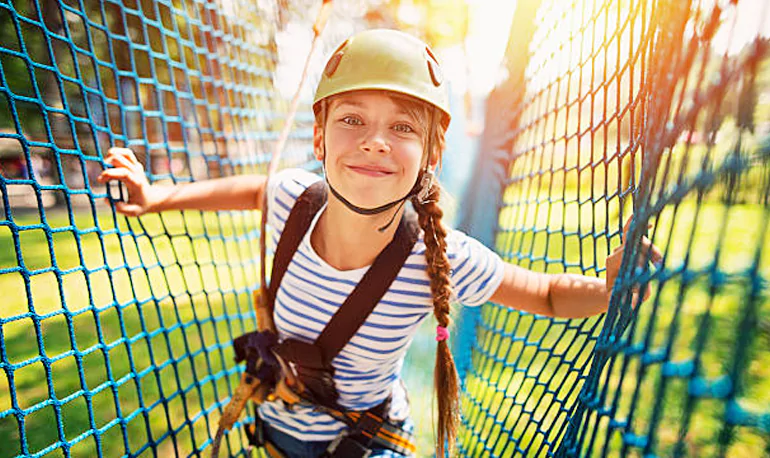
<point x="567" y="295"/>
<point x="231" y="193"/>
<point x="555" y="295"/>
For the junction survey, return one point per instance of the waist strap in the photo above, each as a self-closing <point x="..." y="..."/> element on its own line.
<point x="366" y="431"/>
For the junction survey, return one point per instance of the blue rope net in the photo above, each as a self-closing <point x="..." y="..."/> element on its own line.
<point x="115" y="333"/>
<point x="651" y="107"/>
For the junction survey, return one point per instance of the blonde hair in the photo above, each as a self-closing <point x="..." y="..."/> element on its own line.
<point x="430" y="214"/>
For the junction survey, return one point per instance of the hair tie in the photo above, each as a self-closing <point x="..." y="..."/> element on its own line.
<point x="442" y="333"/>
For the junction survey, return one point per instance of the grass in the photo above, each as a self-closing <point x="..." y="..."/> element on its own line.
<point x="143" y="334"/>
<point x="145" y="338"/>
<point x="521" y="381"/>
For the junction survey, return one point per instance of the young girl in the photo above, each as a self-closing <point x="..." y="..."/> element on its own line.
<point x="381" y="112"/>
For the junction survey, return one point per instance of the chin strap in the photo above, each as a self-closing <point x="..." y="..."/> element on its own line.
<point x="369" y="211"/>
<point x="421" y="190"/>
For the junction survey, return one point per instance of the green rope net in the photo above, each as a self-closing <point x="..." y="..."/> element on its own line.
<point x="651" y="107"/>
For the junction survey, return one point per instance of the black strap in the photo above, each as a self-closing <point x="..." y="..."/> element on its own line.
<point x="297" y="224"/>
<point x="366" y="295"/>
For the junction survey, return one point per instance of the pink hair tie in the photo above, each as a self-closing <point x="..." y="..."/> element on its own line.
<point x="441" y="333"/>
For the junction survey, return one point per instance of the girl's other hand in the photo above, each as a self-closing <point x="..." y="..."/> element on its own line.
<point x="129" y="171"/>
<point x="647" y="252"/>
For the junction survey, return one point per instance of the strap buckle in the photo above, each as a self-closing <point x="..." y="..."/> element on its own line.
<point x="255" y="432"/>
<point x="369" y="424"/>
<point x="288" y="373"/>
<point x="345" y="446"/>
<point x="289" y="388"/>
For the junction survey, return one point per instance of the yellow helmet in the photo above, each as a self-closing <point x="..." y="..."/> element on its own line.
<point x="387" y="60"/>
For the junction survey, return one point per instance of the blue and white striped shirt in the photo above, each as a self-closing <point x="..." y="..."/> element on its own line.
<point x="368" y="368"/>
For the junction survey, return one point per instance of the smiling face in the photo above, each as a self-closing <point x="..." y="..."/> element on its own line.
<point x="374" y="146"/>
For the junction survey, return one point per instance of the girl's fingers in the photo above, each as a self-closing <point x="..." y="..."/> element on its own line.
<point x="649" y="252"/>
<point x="627" y="226"/>
<point x="123" y="161"/>
<point x="128" y="209"/>
<point x="132" y="182"/>
<point x="106" y="175"/>
<point x="124" y="153"/>
<point x="113" y="174"/>
<point x="656" y="254"/>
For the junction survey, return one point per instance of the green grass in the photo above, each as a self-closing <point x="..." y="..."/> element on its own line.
<point x="161" y="357"/>
<point x="507" y="408"/>
<point x="183" y="289"/>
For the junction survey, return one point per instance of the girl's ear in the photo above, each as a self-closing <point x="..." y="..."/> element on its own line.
<point x="318" y="149"/>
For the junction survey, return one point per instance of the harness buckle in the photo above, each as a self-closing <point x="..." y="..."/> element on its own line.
<point x="289" y="387"/>
<point x="255" y="432"/>
<point x="288" y="372"/>
<point x="344" y="446"/>
<point x="369" y="424"/>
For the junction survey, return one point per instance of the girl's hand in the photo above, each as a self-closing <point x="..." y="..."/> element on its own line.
<point x="129" y="171"/>
<point x="615" y="260"/>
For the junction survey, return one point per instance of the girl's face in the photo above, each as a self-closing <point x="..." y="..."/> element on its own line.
<point x="373" y="146"/>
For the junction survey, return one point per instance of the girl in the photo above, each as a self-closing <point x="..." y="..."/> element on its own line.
<point x="381" y="112"/>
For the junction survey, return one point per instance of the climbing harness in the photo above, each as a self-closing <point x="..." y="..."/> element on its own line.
<point x="301" y="373"/>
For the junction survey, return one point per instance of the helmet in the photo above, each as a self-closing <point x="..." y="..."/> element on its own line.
<point x="388" y="60"/>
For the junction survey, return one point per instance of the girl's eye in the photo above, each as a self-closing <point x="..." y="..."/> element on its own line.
<point x="404" y="128"/>
<point x="352" y="120"/>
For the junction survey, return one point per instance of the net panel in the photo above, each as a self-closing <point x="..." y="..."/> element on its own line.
<point x="657" y="109"/>
<point x="115" y="333"/>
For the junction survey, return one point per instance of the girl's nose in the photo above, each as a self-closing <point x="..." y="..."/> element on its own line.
<point x="375" y="142"/>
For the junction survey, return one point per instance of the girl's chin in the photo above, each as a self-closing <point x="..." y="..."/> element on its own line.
<point x="372" y="201"/>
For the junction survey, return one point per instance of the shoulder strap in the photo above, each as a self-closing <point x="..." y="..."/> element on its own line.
<point x="367" y="294"/>
<point x="297" y="224"/>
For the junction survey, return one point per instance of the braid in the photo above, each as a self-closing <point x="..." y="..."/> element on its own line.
<point x="445" y="374"/>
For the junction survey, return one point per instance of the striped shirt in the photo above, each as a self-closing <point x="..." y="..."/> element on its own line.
<point x="367" y="370"/>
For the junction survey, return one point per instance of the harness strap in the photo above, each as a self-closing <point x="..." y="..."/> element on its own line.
<point x="367" y="294"/>
<point x="297" y="224"/>
<point x="369" y="427"/>
<point x="361" y="301"/>
<point x="255" y="434"/>
<point x="376" y="430"/>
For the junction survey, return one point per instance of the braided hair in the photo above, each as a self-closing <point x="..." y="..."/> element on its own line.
<point x="445" y="375"/>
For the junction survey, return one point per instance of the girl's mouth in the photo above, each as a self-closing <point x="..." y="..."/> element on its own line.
<point x="370" y="170"/>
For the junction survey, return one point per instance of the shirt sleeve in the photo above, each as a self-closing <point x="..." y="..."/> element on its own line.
<point x="283" y="190"/>
<point x="476" y="270"/>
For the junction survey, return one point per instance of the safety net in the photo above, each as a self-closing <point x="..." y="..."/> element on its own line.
<point x="115" y="333"/>
<point x="611" y="108"/>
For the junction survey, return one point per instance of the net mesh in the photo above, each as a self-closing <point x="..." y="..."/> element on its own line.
<point x="658" y="109"/>
<point x="115" y="333"/>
